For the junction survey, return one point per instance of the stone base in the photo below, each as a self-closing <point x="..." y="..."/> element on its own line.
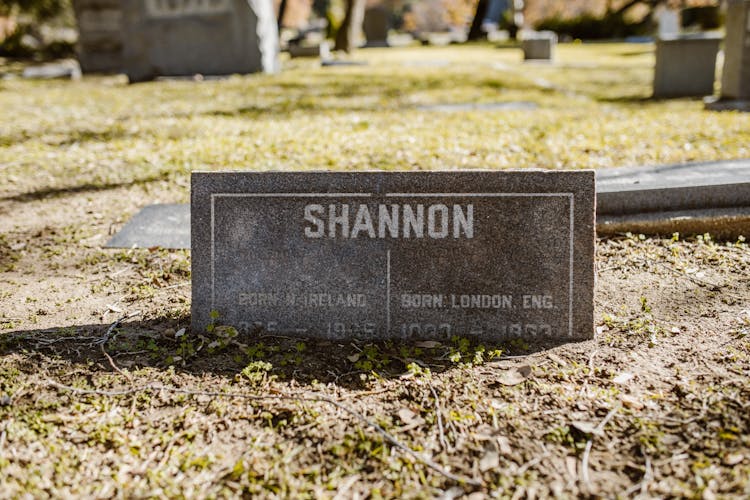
<point x="304" y="50"/>
<point x="376" y="44"/>
<point x="723" y="104"/>
<point x="321" y="50"/>
<point x="720" y="223"/>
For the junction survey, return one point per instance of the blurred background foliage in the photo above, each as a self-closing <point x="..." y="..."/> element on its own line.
<point x="43" y="29"/>
<point x="46" y="29"/>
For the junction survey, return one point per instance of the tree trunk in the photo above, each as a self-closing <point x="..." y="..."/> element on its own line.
<point x="475" y="32"/>
<point x="350" y="26"/>
<point x="282" y="11"/>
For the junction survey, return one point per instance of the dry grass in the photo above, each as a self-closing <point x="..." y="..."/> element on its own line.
<point x="656" y="406"/>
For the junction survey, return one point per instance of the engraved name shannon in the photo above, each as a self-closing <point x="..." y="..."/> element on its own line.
<point x="389" y="221"/>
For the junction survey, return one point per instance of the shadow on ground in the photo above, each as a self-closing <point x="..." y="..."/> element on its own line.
<point x="161" y="343"/>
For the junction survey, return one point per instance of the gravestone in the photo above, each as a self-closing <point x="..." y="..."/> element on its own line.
<point x="539" y="45"/>
<point x="165" y="225"/>
<point x="735" y="81"/>
<point x="491" y="255"/>
<point x="187" y="37"/>
<point x="67" y="69"/>
<point x="686" y="65"/>
<point x="668" y="21"/>
<point x="321" y="50"/>
<point x="376" y="25"/>
<point x="100" y="42"/>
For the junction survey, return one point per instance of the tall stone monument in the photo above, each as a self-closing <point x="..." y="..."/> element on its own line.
<point x="735" y="80"/>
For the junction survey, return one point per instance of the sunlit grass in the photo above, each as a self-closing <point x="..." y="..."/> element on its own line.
<point x="592" y="112"/>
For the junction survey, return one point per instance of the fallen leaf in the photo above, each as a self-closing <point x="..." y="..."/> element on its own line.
<point x="452" y="493"/>
<point x="503" y="444"/>
<point x="179" y="333"/>
<point x="406" y="415"/>
<point x="623" y="378"/>
<point x="670" y="440"/>
<point x="571" y="464"/>
<point x="557" y="359"/>
<point x="629" y="401"/>
<point x="515" y="376"/>
<point x="490" y="460"/>
<point x="733" y="458"/>
<point x="484" y="432"/>
<point x="587" y="428"/>
<point x="354" y="357"/>
<point x="498" y="405"/>
<point x="428" y="344"/>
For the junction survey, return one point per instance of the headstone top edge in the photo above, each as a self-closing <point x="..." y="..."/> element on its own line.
<point x="395" y="172"/>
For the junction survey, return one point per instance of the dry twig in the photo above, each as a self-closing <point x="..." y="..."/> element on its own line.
<point x="112" y="330"/>
<point x="439" y="413"/>
<point x="590" y="443"/>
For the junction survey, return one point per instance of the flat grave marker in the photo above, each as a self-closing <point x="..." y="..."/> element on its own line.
<point x="378" y="255"/>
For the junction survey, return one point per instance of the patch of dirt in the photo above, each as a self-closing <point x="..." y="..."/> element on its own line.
<point x="656" y="405"/>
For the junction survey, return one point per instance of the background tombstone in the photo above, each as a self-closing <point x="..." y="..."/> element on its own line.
<point x="539" y="45"/>
<point x="100" y="42"/>
<point x="220" y="37"/>
<point x="668" y="21"/>
<point x="376" y="25"/>
<point x="686" y="65"/>
<point x="735" y="81"/>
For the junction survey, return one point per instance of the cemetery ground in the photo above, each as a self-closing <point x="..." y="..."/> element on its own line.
<point x="104" y="393"/>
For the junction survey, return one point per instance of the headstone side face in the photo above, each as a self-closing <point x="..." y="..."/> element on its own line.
<point x="220" y="37"/>
<point x="735" y="81"/>
<point x="100" y="42"/>
<point x="685" y="66"/>
<point x="490" y="255"/>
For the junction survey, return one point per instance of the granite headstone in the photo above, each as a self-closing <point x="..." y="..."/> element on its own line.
<point x="735" y="81"/>
<point x="493" y="255"/>
<point x="187" y="37"/>
<point x="686" y="65"/>
<point x="375" y="26"/>
<point x="100" y="42"/>
<point x="539" y="45"/>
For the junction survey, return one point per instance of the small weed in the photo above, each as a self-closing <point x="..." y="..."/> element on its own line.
<point x="256" y="371"/>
